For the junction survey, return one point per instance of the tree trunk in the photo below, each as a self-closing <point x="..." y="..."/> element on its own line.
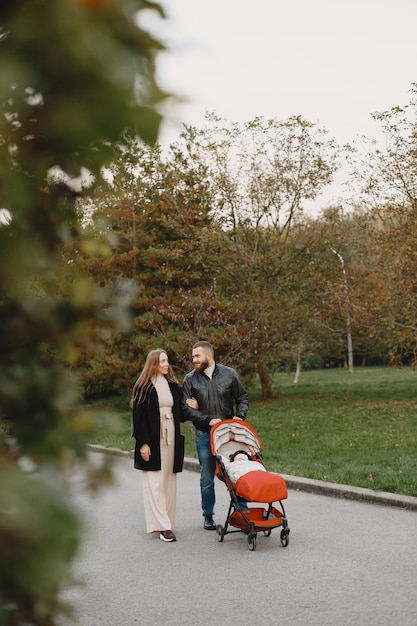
<point x="299" y="354"/>
<point x="350" y="352"/>
<point x="266" y="383"/>
<point x="297" y="371"/>
<point x="348" y="320"/>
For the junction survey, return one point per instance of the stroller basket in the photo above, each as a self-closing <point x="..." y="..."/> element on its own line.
<point x="248" y="483"/>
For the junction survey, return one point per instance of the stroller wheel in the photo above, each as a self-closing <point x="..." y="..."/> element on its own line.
<point x="252" y="541"/>
<point x="220" y="533"/>
<point x="285" y="538"/>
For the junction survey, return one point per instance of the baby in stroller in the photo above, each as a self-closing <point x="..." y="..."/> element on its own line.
<point x="239" y="463"/>
<point x="255" y="494"/>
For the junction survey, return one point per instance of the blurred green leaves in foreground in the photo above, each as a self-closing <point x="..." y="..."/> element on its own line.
<point x="74" y="76"/>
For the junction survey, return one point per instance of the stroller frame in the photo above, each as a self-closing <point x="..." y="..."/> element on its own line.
<point x="241" y="518"/>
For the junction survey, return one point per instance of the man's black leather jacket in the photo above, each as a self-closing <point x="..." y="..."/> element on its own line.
<point x="222" y="397"/>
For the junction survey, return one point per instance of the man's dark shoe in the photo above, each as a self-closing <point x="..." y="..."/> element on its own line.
<point x="209" y="523"/>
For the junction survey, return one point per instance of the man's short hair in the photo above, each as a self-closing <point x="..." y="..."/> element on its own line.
<point x="206" y="345"/>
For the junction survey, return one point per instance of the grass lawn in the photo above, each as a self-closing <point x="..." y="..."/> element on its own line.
<point x="357" y="429"/>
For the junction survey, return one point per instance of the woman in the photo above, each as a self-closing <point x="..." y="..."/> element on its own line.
<point x="159" y="449"/>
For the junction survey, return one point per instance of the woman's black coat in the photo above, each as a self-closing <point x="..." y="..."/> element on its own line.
<point x="146" y="428"/>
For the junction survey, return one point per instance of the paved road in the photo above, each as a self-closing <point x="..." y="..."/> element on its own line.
<point x="347" y="563"/>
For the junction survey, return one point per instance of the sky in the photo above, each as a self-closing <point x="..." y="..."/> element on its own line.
<point x="332" y="62"/>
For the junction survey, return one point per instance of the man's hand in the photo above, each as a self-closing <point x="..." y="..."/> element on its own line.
<point x="145" y="452"/>
<point x="192" y="402"/>
<point x="236" y="417"/>
<point x="215" y="420"/>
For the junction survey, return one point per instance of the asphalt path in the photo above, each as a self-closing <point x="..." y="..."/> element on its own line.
<point x="347" y="563"/>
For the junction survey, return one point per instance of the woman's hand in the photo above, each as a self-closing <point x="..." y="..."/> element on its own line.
<point x="145" y="452"/>
<point x="192" y="402"/>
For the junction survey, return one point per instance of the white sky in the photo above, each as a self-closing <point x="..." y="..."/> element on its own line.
<point x="333" y="62"/>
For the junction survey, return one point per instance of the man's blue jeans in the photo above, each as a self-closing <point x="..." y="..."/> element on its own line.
<point x="208" y="469"/>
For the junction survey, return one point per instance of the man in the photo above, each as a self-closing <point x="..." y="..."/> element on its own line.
<point x="220" y="395"/>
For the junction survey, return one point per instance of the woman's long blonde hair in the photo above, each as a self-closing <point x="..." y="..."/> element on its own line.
<point x="149" y="372"/>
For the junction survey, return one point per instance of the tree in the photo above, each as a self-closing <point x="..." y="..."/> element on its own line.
<point x="261" y="172"/>
<point x="352" y="297"/>
<point x="68" y="71"/>
<point x="388" y="173"/>
<point x="394" y="260"/>
<point x="157" y="211"/>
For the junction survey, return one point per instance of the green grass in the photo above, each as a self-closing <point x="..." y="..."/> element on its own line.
<point x="357" y="429"/>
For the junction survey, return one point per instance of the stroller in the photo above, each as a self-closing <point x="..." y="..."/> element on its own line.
<point x="230" y="437"/>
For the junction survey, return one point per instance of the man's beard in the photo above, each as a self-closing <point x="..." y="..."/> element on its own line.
<point x="200" y="367"/>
